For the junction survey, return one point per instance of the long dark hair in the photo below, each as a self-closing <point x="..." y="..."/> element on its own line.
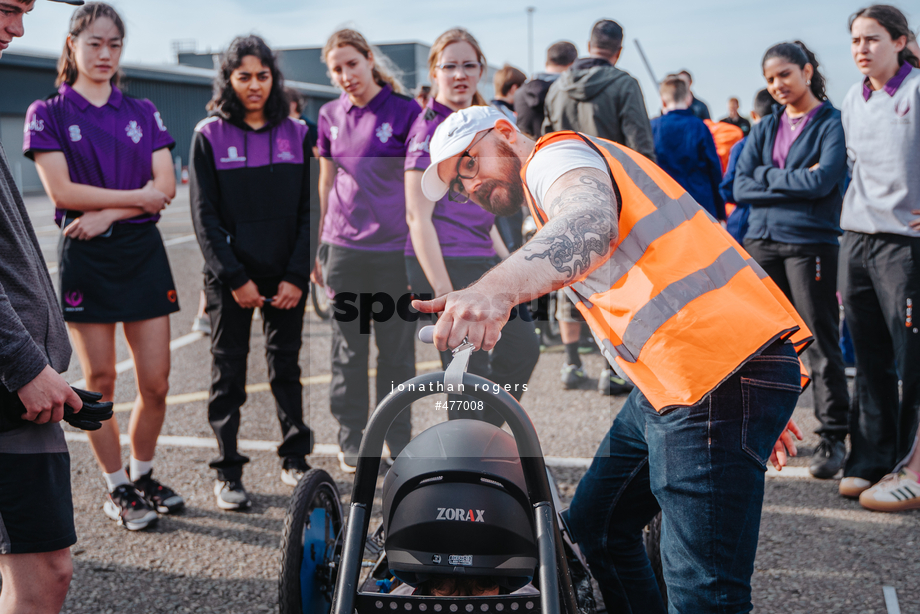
<point x="892" y="20"/>
<point x="797" y="53"/>
<point x="225" y="101"/>
<point x="81" y="19"/>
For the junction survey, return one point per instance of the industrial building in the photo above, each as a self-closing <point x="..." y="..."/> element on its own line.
<point x="180" y="93"/>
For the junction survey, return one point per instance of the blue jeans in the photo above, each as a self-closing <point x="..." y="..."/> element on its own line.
<point x="703" y="466"/>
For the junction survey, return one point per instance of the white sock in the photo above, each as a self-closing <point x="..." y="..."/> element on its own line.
<point x="114" y="480"/>
<point x="139" y="468"/>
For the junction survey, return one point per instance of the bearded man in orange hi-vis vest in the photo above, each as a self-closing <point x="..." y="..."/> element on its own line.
<point x="678" y="307"/>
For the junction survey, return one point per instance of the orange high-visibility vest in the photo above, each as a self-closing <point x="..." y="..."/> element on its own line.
<point x="725" y="136"/>
<point x="677" y="304"/>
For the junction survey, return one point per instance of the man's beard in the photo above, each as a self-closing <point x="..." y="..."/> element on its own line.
<point x="503" y="198"/>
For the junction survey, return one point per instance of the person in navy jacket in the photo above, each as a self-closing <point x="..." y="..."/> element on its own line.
<point x="250" y="200"/>
<point x="685" y="149"/>
<point x="792" y="171"/>
<point x="737" y="223"/>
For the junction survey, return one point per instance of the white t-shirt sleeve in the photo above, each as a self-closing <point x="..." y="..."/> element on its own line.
<point x="554" y="161"/>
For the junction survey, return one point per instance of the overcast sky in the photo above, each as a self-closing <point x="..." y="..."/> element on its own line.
<point x="720" y="41"/>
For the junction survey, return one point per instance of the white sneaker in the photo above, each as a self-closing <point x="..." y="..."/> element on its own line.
<point x="293" y="470"/>
<point x="853" y="487"/>
<point x="345" y="460"/>
<point x="231" y="495"/>
<point x="896" y="492"/>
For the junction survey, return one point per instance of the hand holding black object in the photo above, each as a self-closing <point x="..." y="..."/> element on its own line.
<point x="93" y="414"/>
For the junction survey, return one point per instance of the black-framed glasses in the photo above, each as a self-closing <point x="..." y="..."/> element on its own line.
<point x="470" y="68"/>
<point x="467" y="168"/>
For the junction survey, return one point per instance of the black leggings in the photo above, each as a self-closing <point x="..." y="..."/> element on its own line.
<point x="366" y="272"/>
<point x="230" y="328"/>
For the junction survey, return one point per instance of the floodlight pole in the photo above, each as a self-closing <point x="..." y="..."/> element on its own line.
<point x="530" y="11"/>
<point x="647" y="65"/>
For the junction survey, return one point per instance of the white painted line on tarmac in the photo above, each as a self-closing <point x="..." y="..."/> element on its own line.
<point x="320" y="449"/>
<point x="191" y="397"/>
<point x="127" y="365"/>
<point x="794" y="473"/>
<point x="204" y="442"/>
<point x="891" y="600"/>
<point x="178" y="240"/>
<point x="565" y="461"/>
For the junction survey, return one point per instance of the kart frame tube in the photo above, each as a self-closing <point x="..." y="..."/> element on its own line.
<point x="549" y="539"/>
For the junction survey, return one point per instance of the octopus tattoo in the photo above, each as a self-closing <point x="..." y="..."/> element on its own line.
<point x="583" y="223"/>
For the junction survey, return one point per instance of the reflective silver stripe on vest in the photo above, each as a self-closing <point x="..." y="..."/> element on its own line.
<point x="669" y="214"/>
<point x="757" y="268"/>
<point x="675" y="297"/>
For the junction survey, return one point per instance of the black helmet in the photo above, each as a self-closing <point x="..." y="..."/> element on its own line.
<point x="455" y="502"/>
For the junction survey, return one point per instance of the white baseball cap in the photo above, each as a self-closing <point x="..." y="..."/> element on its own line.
<point x="452" y="137"/>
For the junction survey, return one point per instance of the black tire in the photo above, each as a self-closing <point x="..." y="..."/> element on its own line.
<point x="316" y="492"/>
<point x="652" y="537"/>
<point x="321" y="306"/>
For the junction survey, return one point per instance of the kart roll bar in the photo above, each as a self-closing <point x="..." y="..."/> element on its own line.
<point x="554" y="583"/>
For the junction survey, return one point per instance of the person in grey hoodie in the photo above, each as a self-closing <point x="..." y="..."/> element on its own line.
<point x="597" y="98"/>
<point x="36" y="508"/>
<point x="529" y="99"/>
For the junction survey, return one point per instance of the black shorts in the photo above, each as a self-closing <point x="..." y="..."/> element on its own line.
<point x="121" y="278"/>
<point x="36" y="508"/>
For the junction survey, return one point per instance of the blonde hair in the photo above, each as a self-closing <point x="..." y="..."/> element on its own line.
<point x="455" y="35"/>
<point x="384" y="71"/>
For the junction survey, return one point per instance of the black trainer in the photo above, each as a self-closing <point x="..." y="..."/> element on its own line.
<point x="161" y="498"/>
<point x="127" y="506"/>
<point x="828" y="458"/>
<point x="293" y="468"/>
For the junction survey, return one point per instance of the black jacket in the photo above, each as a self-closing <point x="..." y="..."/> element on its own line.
<point x="250" y="199"/>
<point x="528" y="103"/>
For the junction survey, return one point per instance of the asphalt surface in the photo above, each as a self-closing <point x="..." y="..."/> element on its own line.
<point x="818" y="552"/>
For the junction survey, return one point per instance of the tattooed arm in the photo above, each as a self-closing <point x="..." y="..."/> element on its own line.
<point x="581" y="231"/>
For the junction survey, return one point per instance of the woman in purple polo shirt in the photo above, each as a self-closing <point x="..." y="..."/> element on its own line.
<point x="104" y="159"/>
<point x="362" y="147"/>
<point x="452" y="244"/>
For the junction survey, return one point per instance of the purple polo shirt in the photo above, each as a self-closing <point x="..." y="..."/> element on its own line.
<point x="367" y="204"/>
<point x="786" y="136"/>
<point x="463" y="229"/>
<point x="893" y="83"/>
<point x="107" y="147"/>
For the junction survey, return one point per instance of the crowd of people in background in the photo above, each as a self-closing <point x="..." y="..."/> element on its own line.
<point x="786" y="183"/>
